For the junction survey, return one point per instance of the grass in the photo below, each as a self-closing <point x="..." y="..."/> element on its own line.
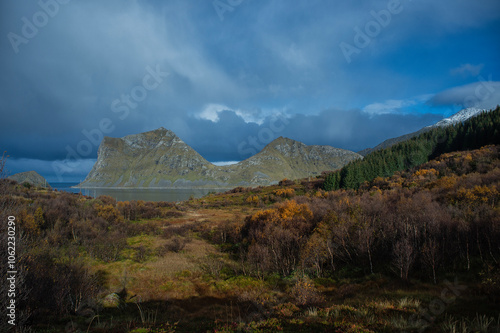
<point x="407" y="302"/>
<point x="480" y="323"/>
<point x="200" y="286"/>
<point x="312" y="312"/>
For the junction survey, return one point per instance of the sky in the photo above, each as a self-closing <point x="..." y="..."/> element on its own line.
<point x="229" y="76"/>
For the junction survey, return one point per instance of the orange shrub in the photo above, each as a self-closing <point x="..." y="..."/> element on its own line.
<point x="109" y="213"/>
<point x="285" y="192"/>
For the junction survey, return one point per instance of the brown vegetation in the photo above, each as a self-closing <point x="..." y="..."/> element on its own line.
<point x="289" y="256"/>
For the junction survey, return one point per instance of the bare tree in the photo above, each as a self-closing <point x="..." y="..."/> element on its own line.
<point x="366" y="237"/>
<point x="404" y="256"/>
<point x="432" y="256"/>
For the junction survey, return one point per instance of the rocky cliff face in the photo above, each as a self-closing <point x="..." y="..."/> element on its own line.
<point x="161" y="159"/>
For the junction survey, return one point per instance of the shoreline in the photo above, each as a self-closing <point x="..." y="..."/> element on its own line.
<point x="153" y="188"/>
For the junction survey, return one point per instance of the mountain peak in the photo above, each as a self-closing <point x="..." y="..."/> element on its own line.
<point x="282" y="139"/>
<point x="152" y="138"/>
<point x="162" y="131"/>
<point x="459" y="117"/>
<point x="31" y="177"/>
<point x="159" y="158"/>
<point x="283" y="145"/>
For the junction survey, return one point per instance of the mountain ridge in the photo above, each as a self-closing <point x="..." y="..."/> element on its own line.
<point x="460" y="116"/>
<point x="160" y="159"/>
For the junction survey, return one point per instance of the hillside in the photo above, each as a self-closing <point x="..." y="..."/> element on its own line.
<point x="282" y="258"/>
<point x="461" y="116"/>
<point x="30" y="177"/>
<point x="160" y="159"/>
<point x="475" y="132"/>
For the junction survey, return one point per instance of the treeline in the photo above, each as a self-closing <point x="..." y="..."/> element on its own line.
<point x="472" y="134"/>
<point x="439" y="219"/>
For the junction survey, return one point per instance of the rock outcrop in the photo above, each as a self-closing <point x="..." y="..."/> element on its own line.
<point x="30" y="177"/>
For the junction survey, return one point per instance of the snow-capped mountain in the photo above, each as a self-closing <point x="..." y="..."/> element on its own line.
<point x="458" y="117"/>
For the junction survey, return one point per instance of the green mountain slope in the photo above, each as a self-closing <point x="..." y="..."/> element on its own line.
<point x="473" y="133"/>
<point x="459" y="117"/>
<point x="161" y="159"/>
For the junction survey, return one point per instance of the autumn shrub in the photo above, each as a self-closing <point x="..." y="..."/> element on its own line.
<point x="62" y="207"/>
<point x="252" y="199"/>
<point x="135" y="210"/>
<point x="285" y="309"/>
<point x="305" y="293"/>
<point x="28" y="223"/>
<point x="85" y="231"/>
<point x="225" y="232"/>
<point x="175" y="244"/>
<point x="286" y="182"/>
<point x="285" y="192"/>
<point x="107" y="200"/>
<point x="148" y="210"/>
<point x="109" y="212"/>
<point x="280" y="230"/>
<point x="107" y="247"/>
<point x="140" y="253"/>
<point x="128" y="209"/>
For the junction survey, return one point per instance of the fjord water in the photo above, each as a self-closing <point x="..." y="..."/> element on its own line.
<point x="170" y="195"/>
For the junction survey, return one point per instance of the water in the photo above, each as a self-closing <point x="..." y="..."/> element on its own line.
<point x="170" y="195"/>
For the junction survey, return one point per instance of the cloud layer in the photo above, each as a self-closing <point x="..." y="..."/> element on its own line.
<point x="69" y="66"/>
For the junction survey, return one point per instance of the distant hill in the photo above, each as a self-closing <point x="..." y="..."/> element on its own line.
<point x="472" y="133"/>
<point x="461" y="116"/>
<point x="161" y="159"/>
<point x="30" y="177"/>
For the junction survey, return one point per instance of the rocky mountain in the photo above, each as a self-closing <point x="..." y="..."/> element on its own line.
<point x="160" y="159"/>
<point x="30" y="177"/>
<point x="458" y="117"/>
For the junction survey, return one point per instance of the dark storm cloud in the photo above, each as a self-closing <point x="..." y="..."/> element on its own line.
<point x="232" y="139"/>
<point x="64" y="64"/>
<point x="64" y="79"/>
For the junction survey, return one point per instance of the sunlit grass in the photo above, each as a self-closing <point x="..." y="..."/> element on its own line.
<point x="407" y="302"/>
<point x="480" y="323"/>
